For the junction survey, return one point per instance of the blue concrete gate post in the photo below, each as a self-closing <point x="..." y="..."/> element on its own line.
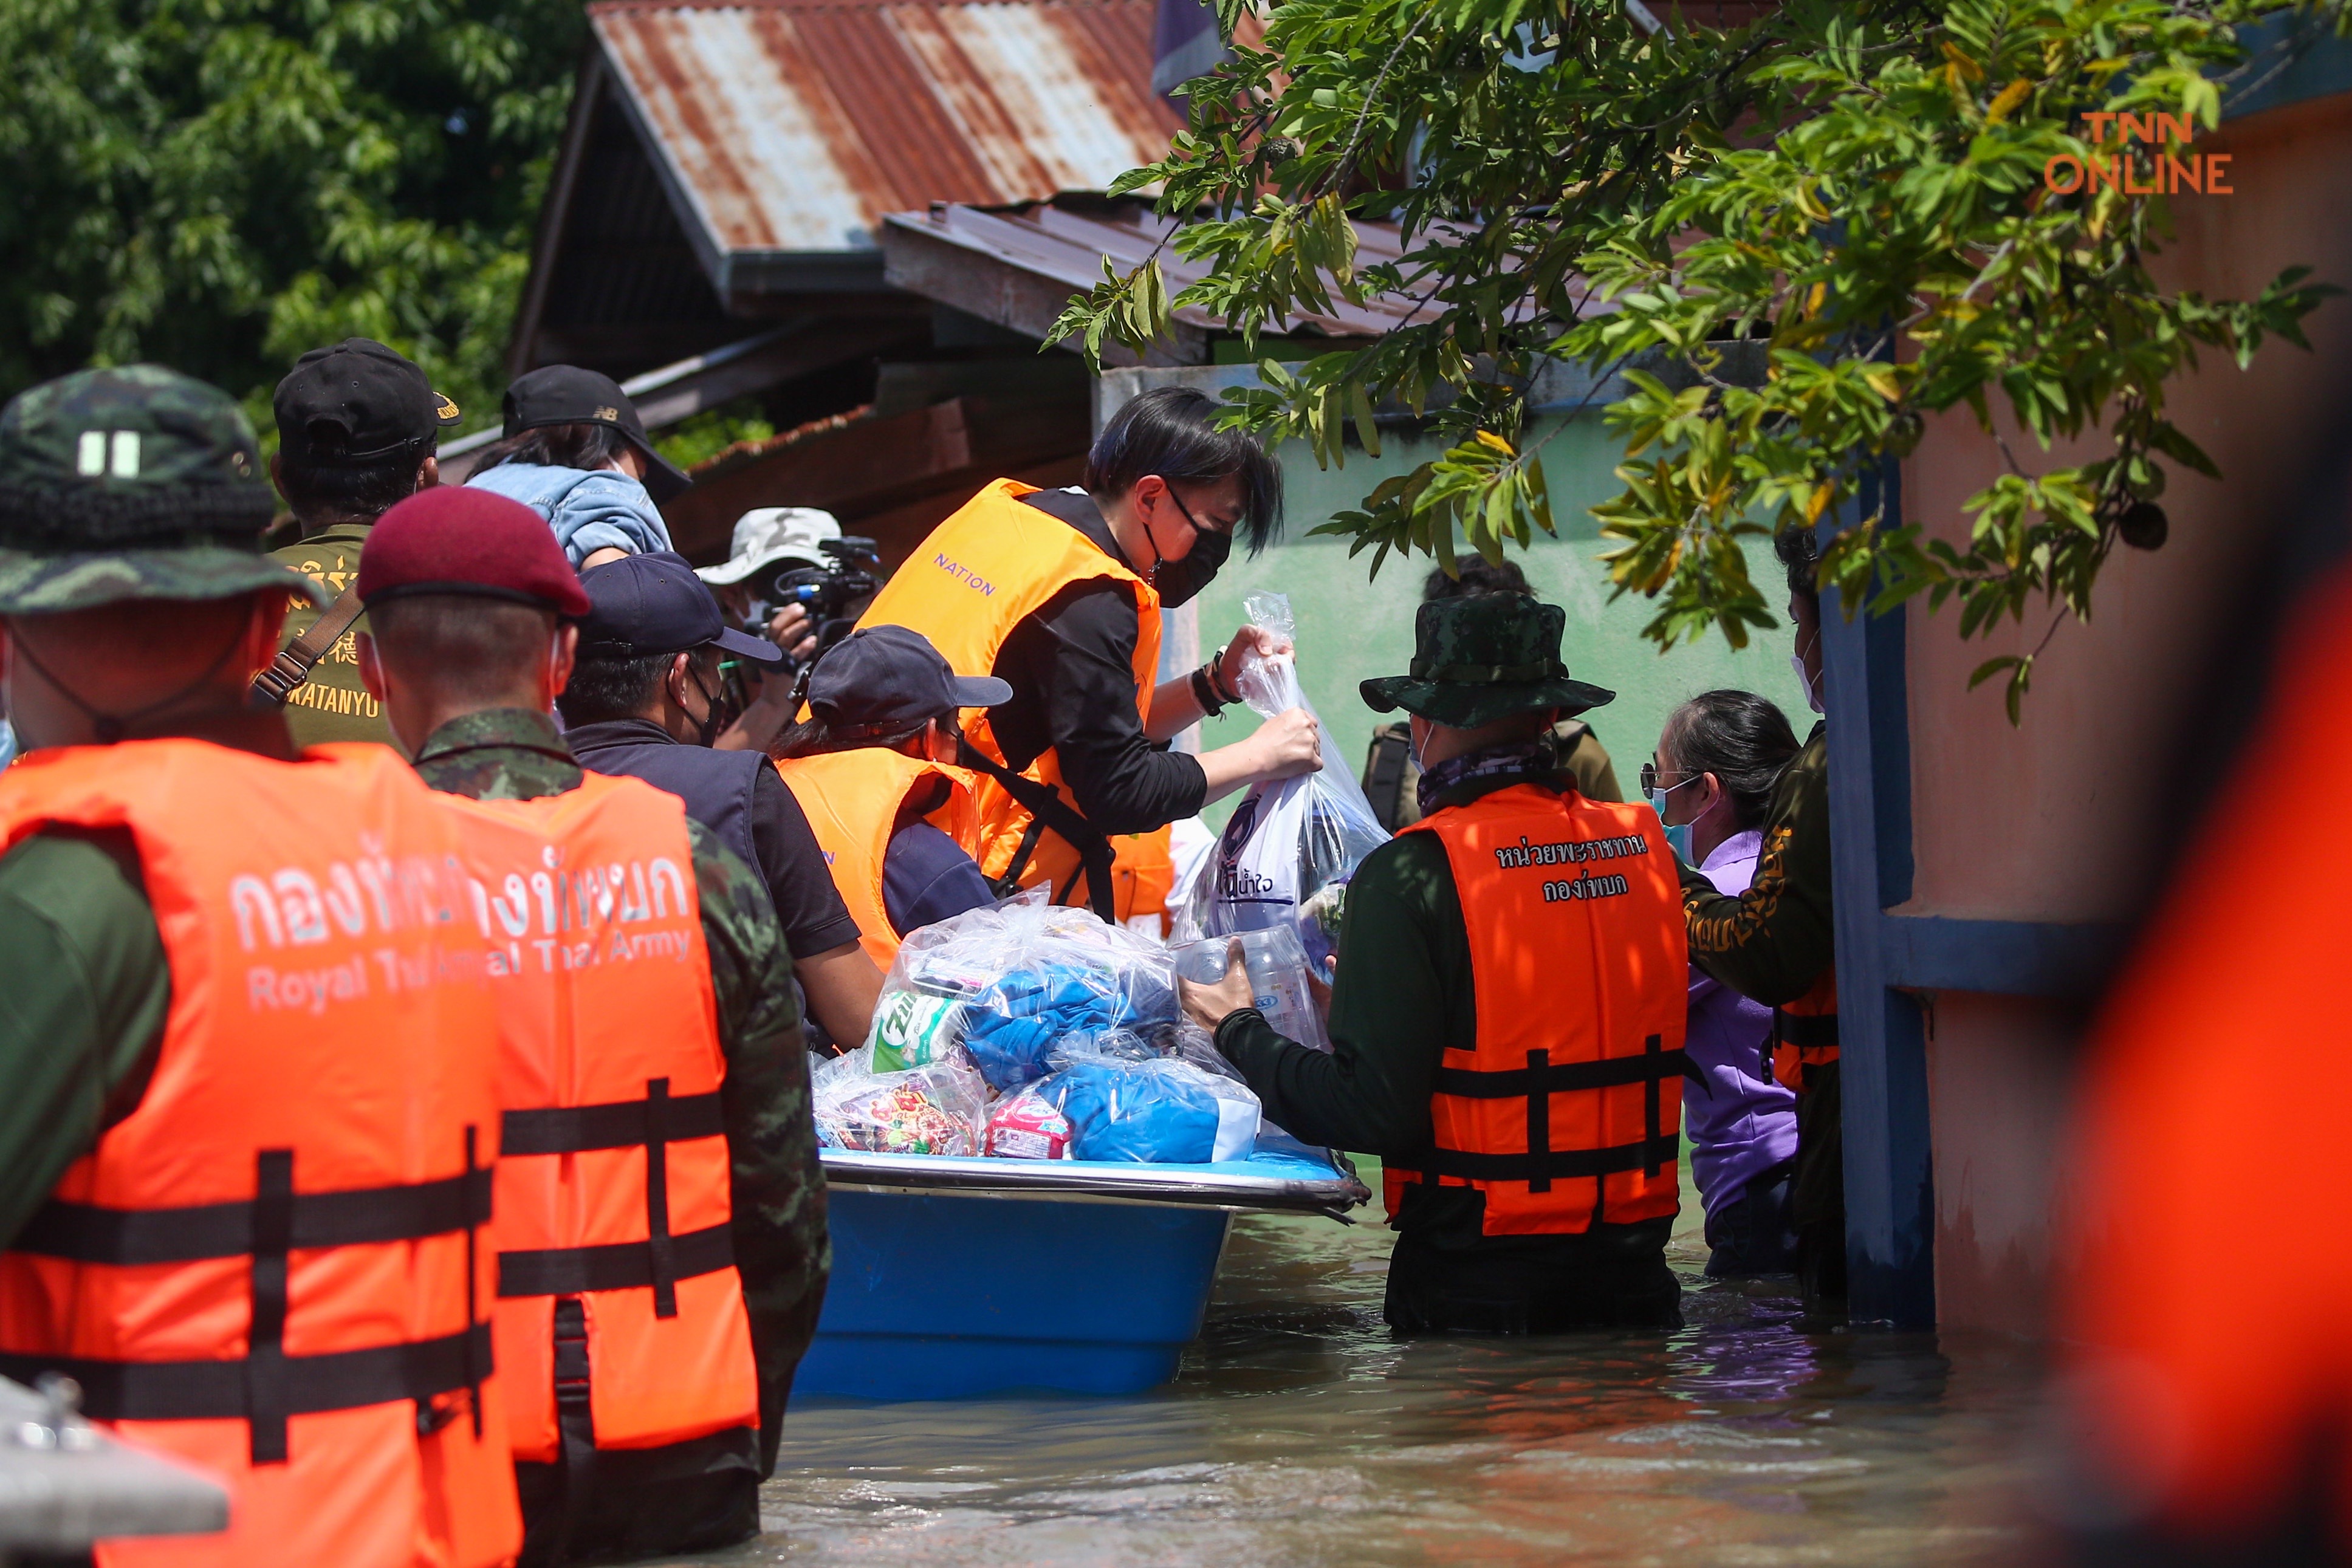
<point x="1889" y="1192"/>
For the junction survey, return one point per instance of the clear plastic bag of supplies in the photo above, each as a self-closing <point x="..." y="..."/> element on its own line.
<point x="1158" y="1110"/>
<point x="1026" y="1125"/>
<point x="936" y="1108"/>
<point x="1276" y="962"/>
<point x="1290" y="846"/>
<point x="1007" y="985"/>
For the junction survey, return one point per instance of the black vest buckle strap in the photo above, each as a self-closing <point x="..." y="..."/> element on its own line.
<point x="1541" y="1079"/>
<point x="269" y="1386"/>
<point x="1552" y="1165"/>
<point x="306" y="1384"/>
<point x="86" y="1233"/>
<point x="621" y="1266"/>
<point x="612" y="1124"/>
<point x="1562" y="1077"/>
<point x="1806" y="1031"/>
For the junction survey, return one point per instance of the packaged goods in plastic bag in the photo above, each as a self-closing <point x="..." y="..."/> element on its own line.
<point x="913" y="1029"/>
<point x="1276" y="963"/>
<point x="935" y="1108"/>
<point x="1026" y="1125"/>
<point x="1007" y="984"/>
<point x="1291" y="844"/>
<point x="1155" y="1112"/>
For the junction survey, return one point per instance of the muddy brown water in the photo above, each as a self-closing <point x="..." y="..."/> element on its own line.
<point x="1300" y="1432"/>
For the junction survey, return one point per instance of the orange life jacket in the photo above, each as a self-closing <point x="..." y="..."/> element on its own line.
<point x="2205" y="1267"/>
<point x="1568" y="1111"/>
<point x="273" y="1267"/>
<point x="1143" y="873"/>
<point x="1805" y="1033"/>
<point x="853" y="801"/>
<point x="620" y="1314"/>
<point x="991" y="565"/>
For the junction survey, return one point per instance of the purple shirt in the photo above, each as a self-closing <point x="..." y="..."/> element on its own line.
<point x="1738" y="1120"/>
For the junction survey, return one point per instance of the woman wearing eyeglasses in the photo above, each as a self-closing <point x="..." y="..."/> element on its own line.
<point x="1711" y="782"/>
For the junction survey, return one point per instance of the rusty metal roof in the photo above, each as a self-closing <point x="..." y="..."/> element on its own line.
<point x="1018" y="266"/>
<point x="793" y="126"/>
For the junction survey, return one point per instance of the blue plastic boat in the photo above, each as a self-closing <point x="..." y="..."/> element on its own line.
<point x="955" y="1277"/>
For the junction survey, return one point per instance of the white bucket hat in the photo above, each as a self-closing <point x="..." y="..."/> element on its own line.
<point x="767" y="535"/>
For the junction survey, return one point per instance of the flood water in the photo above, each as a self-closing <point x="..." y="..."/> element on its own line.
<point x="1300" y="1432"/>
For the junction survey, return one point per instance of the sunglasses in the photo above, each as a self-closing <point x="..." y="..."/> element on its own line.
<point x="1650" y="777"/>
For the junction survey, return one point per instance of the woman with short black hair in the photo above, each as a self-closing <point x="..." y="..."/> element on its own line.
<point x="1058" y="593"/>
<point x="1718" y="764"/>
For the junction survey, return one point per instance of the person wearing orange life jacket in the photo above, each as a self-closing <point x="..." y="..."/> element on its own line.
<point x="1058" y="592"/>
<point x="248" y="1067"/>
<point x="1775" y="944"/>
<point x="1142" y="875"/>
<point x="2205" y="1265"/>
<point x="1507" y="1007"/>
<point x="660" y="1249"/>
<point x="872" y="768"/>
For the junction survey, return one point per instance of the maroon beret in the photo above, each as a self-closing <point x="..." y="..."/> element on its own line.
<point x="452" y="540"/>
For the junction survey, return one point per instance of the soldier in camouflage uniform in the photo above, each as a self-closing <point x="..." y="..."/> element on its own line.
<point x="1411" y="1006"/>
<point x="137" y="604"/>
<point x="470" y="703"/>
<point x="357" y="425"/>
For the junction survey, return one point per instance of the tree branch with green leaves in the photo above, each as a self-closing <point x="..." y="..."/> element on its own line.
<point x="1861" y="192"/>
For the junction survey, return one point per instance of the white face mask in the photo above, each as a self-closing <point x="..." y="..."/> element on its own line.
<point x="1805" y="679"/>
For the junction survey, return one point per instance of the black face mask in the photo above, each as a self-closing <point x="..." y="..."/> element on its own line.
<point x="719" y="713"/>
<point x="1177" y="582"/>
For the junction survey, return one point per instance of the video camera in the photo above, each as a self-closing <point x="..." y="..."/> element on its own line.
<point x="828" y="591"/>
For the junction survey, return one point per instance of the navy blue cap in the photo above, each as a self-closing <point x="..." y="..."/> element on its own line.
<point x="888" y="679"/>
<point x="652" y="603"/>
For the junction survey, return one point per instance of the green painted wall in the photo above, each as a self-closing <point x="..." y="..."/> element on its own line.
<point x="1351" y="628"/>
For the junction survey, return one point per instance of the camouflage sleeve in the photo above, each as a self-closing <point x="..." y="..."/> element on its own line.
<point x="1595" y="774"/>
<point x="1772" y="941"/>
<point x="780" y="1246"/>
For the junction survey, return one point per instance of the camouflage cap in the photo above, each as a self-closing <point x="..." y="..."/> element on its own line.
<point x="1482" y="658"/>
<point x="130" y="483"/>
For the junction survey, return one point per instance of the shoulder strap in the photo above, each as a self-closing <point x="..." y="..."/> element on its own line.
<point x="1047" y="810"/>
<point x="299" y="658"/>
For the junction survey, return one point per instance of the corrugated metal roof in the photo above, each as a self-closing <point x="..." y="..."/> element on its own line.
<point x="794" y="126"/>
<point x="1066" y="243"/>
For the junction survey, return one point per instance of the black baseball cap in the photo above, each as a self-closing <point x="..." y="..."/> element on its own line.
<point x="356" y="404"/>
<point x="886" y="680"/>
<point x="652" y="603"/>
<point x="566" y="394"/>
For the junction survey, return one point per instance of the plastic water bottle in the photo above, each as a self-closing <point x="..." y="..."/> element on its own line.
<point x="1278" y="971"/>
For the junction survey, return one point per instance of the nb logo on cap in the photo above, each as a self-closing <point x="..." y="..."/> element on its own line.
<point x="608" y="413"/>
<point x="102" y="452"/>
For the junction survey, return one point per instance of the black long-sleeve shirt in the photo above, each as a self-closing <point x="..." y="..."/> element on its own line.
<point x="1071" y="666"/>
<point x="1402" y="996"/>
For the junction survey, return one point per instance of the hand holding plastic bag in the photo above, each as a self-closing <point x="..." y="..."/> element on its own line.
<point x="1290" y="845"/>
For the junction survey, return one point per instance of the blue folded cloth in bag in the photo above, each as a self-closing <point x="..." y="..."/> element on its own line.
<point x="1127" y="1112"/>
<point x="1010" y="1027"/>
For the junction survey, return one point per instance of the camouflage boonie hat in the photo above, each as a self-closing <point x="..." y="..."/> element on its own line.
<point x="1483" y="658"/>
<point x="132" y="483"/>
